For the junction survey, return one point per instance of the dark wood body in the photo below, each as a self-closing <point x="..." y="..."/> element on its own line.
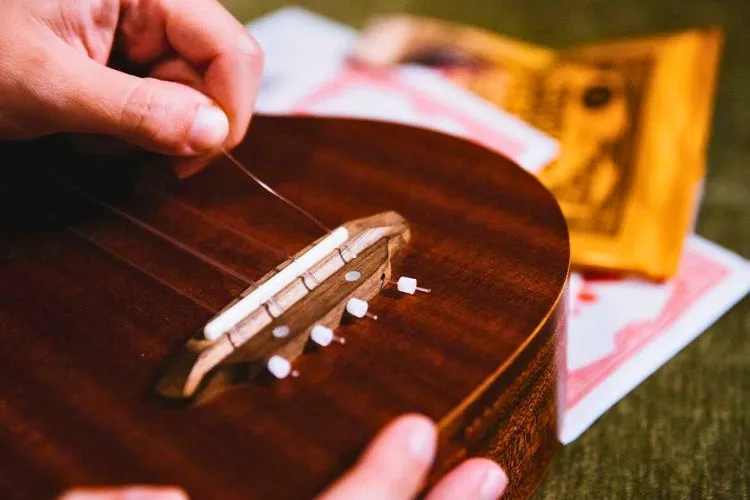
<point x="93" y="303"/>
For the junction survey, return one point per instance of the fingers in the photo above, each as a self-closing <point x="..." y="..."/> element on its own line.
<point x="207" y="36"/>
<point x="179" y="71"/>
<point x="197" y="101"/>
<point x="394" y="466"/>
<point x="476" y="478"/>
<point x="126" y="493"/>
<point x="162" y="116"/>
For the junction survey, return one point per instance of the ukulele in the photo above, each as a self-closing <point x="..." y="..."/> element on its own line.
<point x="201" y="333"/>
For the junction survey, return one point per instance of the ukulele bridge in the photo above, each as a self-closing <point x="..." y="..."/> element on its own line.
<point x="301" y="302"/>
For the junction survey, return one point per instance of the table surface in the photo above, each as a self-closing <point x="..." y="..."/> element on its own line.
<point x="684" y="432"/>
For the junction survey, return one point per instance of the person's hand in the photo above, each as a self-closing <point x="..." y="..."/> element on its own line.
<point x="198" y="72"/>
<point x="398" y="460"/>
<point x="393" y="467"/>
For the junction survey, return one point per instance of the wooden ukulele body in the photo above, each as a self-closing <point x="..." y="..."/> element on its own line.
<point x="107" y="268"/>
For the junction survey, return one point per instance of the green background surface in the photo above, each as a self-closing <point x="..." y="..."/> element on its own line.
<point x="684" y="432"/>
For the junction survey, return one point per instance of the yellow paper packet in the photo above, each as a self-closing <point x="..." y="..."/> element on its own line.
<point x="632" y="118"/>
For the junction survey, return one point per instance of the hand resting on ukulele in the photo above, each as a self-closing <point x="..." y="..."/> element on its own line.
<point x="393" y="467"/>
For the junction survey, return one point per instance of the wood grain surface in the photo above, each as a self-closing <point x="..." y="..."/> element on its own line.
<point x="108" y="265"/>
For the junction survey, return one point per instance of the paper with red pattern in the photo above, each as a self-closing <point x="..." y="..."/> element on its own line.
<point x="621" y="330"/>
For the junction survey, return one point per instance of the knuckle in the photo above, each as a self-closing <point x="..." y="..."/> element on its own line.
<point x="250" y="50"/>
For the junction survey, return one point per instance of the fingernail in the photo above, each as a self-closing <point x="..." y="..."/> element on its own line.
<point x="493" y="484"/>
<point x="422" y="441"/>
<point x="210" y="128"/>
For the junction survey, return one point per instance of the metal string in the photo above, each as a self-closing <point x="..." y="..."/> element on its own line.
<point x="278" y="195"/>
<point x="155" y="231"/>
<point x="192" y="251"/>
<point x="196" y="253"/>
<point x="218" y="223"/>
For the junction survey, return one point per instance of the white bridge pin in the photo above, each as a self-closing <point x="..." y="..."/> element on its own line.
<point x="358" y="308"/>
<point x="408" y="285"/>
<point x="280" y="367"/>
<point x="323" y="336"/>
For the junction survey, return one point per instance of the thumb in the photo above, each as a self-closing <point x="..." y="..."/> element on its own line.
<point x="394" y="465"/>
<point x="162" y="116"/>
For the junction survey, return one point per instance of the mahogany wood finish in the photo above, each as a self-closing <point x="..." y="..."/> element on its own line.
<point x="94" y="299"/>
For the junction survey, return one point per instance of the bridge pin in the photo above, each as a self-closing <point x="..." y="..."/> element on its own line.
<point x="280" y="367"/>
<point x="358" y="308"/>
<point x="408" y="285"/>
<point x="323" y="336"/>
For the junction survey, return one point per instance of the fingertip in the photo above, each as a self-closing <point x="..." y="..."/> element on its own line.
<point x="416" y="419"/>
<point x="237" y="134"/>
<point x="233" y="80"/>
<point x="418" y="432"/>
<point x="493" y="482"/>
<point x="209" y="129"/>
<point x="395" y="464"/>
<point x="475" y="478"/>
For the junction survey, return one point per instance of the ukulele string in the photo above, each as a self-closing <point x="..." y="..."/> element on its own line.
<point x="156" y="231"/>
<point x="286" y="200"/>
<point x="275" y="193"/>
<point x="187" y="248"/>
<point x="190" y="250"/>
<point x="256" y="241"/>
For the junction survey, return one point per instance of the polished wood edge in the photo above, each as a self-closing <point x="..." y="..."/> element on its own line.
<point x="515" y="420"/>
